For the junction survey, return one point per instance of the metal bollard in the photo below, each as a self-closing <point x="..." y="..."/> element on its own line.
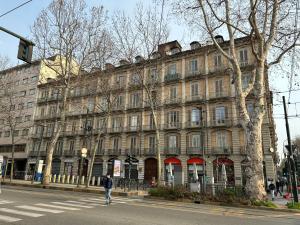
<point x="50" y="178"/>
<point x="68" y="179"/>
<point x="54" y="178"/>
<point x="98" y="181"/>
<point x="72" y="179"/>
<point x="77" y="179"/>
<point x="63" y="179"/>
<point x="93" y="181"/>
<point x="82" y="180"/>
<point x="58" y="178"/>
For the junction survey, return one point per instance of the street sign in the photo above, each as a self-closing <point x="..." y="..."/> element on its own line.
<point x="117" y="168"/>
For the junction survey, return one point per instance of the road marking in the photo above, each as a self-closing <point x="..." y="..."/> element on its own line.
<point x="2" y="202"/>
<point x="56" y="206"/>
<point x="91" y="201"/>
<point x="9" y="219"/>
<point x="75" y="205"/>
<point x="39" y="209"/>
<point x="23" y="213"/>
<point x="76" y="202"/>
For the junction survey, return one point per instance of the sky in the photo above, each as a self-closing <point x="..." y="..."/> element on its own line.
<point x="20" y="21"/>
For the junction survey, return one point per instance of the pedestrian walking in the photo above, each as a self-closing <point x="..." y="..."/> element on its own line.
<point x="272" y="190"/>
<point x="278" y="188"/>
<point x="108" y="183"/>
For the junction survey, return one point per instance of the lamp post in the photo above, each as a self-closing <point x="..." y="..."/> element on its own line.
<point x="83" y="156"/>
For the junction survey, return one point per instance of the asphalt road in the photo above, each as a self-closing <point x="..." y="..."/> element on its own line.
<point x="25" y="206"/>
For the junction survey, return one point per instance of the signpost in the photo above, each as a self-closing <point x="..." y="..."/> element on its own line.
<point x="1" y="163"/>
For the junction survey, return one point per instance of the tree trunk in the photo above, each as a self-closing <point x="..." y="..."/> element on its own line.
<point x="93" y="160"/>
<point x="255" y="188"/>
<point x="12" y="157"/>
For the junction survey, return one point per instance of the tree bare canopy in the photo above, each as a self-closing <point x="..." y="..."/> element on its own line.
<point x="78" y="37"/>
<point x="267" y="25"/>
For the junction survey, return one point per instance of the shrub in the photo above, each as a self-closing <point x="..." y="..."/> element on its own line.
<point x="171" y="193"/>
<point x="293" y="205"/>
<point x="265" y="203"/>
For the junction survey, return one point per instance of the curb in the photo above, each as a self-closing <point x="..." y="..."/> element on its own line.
<point x="226" y="204"/>
<point x="73" y="189"/>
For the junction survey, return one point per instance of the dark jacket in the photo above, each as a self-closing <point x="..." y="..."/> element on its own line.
<point x="108" y="183"/>
<point x="272" y="186"/>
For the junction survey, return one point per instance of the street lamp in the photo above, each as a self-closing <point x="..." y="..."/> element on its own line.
<point x="83" y="156"/>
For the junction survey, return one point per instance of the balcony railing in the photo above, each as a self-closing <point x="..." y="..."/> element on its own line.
<point x="57" y="153"/>
<point x="225" y="150"/>
<point x="219" y="94"/>
<point x="132" y="151"/>
<point x="172" y="125"/>
<point x="100" y="152"/>
<point x="191" y="74"/>
<point x="35" y="153"/>
<point x="173" y="100"/>
<point x="172" y="77"/>
<point x="194" y="124"/>
<point x="194" y="150"/>
<point x="194" y="98"/>
<point x="42" y="99"/>
<point x="69" y="153"/>
<point x="119" y="85"/>
<point x="172" y="151"/>
<point x="148" y="127"/>
<point x="70" y="133"/>
<point x="244" y="63"/>
<point x="149" y="151"/>
<point x="118" y="107"/>
<point x="133" y="128"/>
<point x="135" y="106"/>
<point x="115" y="129"/>
<point x="221" y="122"/>
<point x="113" y="152"/>
<point x="102" y="130"/>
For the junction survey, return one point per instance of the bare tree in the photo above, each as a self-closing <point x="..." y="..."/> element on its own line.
<point x="270" y="36"/>
<point x="140" y="36"/>
<point x="71" y="32"/>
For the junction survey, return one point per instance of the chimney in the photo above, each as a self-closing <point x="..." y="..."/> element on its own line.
<point x="123" y="62"/>
<point x="109" y="66"/>
<point x="169" y="48"/>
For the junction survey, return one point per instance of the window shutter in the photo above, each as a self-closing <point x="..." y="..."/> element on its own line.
<point x="189" y="115"/>
<point x="214" y="113"/>
<point x="226" y="112"/>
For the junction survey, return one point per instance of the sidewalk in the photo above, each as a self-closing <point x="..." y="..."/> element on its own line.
<point x="280" y="201"/>
<point x="72" y="187"/>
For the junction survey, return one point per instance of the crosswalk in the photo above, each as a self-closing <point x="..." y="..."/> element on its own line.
<point x="11" y="211"/>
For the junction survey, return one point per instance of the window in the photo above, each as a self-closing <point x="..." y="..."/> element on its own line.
<point x="103" y="104"/>
<point x="221" y="139"/>
<point x="59" y="146"/>
<point x="77" y="91"/>
<point x="116" y="143"/>
<point x="244" y="57"/>
<point x="152" y="142"/>
<point x="220" y="115"/>
<point x="44" y="94"/>
<point x="121" y="80"/>
<point x="218" y="88"/>
<point x="91" y="104"/>
<point x="101" y="123"/>
<point x="74" y="125"/>
<point x="135" y="99"/>
<point x="120" y="101"/>
<point x="173" y="92"/>
<point x="246" y="79"/>
<point x="100" y="146"/>
<point x="153" y="74"/>
<point x="172" y="69"/>
<point x="6" y="133"/>
<point x="29" y="105"/>
<point x="193" y="65"/>
<point x="250" y="108"/>
<point x="22" y="93"/>
<point x="173" y="141"/>
<point x="135" y="79"/>
<point x="18" y="119"/>
<point x="21" y="106"/>
<point x="217" y="61"/>
<point x="31" y="91"/>
<point x="151" y="120"/>
<point x="133" y="143"/>
<point x="34" y="78"/>
<point x="133" y="122"/>
<point x="194" y="89"/>
<point x="28" y="118"/>
<point x="173" y="118"/>
<point x="25" y="81"/>
<point x="195" y="116"/>
<point x="16" y="133"/>
<point x="116" y="122"/>
<point x="195" y="140"/>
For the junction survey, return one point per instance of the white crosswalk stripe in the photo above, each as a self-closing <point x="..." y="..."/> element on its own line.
<point x="70" y="204"/>
<point x="34" y="208"/>
<point x="22" y="213"/>
<point x="76" y="202"/>
<point x="2" y="202"/>
<point x="9" y="219"/>
<point x="57" y="206"/>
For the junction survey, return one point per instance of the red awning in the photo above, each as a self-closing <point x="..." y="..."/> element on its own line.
<point x="224" y="161"/>
<point x="172" y="160"/>
<point x="195" y="160"/>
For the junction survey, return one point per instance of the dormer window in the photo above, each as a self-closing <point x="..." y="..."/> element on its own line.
<point x="155" y="55"/>
<point x="172" y="69"/>
<point x="195" y="45"/>
<point x="175" y="51"/>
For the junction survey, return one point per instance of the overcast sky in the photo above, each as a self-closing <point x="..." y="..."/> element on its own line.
<point x="20" y="21"/>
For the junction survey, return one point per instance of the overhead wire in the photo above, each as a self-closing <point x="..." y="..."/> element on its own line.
<point x="19" y="6"/>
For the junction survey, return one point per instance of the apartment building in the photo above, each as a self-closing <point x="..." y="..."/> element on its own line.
<point x="18" y="97"/>
<point x="198" y="119"/>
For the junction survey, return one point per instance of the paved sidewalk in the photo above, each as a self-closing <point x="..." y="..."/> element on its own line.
<point x="72" y="187"/>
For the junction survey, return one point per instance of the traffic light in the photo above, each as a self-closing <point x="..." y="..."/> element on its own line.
<point x="25" y="51"/>
<point x="129" y="159"/>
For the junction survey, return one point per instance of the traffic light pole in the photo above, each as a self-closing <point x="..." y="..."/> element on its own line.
<point x="291" y="164"/>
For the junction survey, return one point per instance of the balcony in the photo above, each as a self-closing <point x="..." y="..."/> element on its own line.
<point x="35" y="154"/>
<point x="100" y="152"/>
<point x="115" y="129"/>
<point x="70" y="133"/>
<point x="148" y="128"/>
<point x="98" y="130"/>
<point x="118" y="108"/>
<point x="172" y="77"/>
<point x="153" y="80"/>
<point x="221" y="123"/>
<point x="113" y="152"/>
<point x="194" y="124"/>
<point x="170" y="101"/>
<point x="194" y="150"/>
<point x="172" y="151"/>
<point x="133" y="128"/>
<point x="194" y="98"/>
<point x="132" y="151"/>
<point x="57" y="153"/>
<point x="135" y="106"/>
<point x="219" y="94"/>
<point x="149" y="152"/>
<point x="174" y="125"/>
<point x="119" y="86"/>
<point x="74" y="113"/>
<point x="42" y="99"/>
<point x="225" y="150"/>
<point x="192" y="74"/>
<point x="244" y="63"/>
<point x="54" y="98"/>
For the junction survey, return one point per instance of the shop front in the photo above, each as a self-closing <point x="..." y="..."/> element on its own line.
<point x="173" y="171"/>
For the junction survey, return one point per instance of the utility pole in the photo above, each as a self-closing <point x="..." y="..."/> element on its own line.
<point x="291" y="164"/>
